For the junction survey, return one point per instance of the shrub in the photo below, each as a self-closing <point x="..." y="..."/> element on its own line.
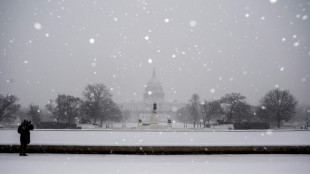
<point x="251" y="125"/>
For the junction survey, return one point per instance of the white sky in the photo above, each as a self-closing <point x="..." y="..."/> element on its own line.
<point x="205" y="47"/>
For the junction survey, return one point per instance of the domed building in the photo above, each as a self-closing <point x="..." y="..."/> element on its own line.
<point x="153" y="92"/>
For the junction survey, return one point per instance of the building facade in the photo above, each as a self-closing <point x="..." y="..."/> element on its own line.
<point x="153" y="93"/>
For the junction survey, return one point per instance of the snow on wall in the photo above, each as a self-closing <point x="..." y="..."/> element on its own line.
<point x="180" y="138"/>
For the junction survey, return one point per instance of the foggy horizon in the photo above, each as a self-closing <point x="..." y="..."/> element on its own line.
<point x="206" y="47"/>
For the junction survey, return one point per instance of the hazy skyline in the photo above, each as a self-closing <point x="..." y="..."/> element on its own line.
<point x="206" y="47"/>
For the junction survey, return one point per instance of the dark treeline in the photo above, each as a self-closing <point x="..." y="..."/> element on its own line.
<point x="95" y="106"/>
<point x="275" y="107"/>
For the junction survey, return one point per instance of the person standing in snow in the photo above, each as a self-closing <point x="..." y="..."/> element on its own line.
<point x="24" y="131"/>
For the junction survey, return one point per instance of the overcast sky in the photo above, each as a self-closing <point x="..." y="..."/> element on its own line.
<point x="206" y="47"/>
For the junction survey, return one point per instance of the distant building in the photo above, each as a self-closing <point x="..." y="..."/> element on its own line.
<point x="153" y="93"/>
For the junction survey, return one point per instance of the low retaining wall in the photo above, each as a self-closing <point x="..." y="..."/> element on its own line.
<point x="158" y="150"/>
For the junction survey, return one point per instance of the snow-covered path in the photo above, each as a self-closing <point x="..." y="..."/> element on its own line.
<point x="159" y="138"/>
<point x="153" y="164"/>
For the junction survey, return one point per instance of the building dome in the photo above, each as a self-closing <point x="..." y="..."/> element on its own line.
<point x="153" y="92"/>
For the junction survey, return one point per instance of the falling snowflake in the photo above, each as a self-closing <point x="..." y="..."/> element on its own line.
<point x="47" y="35"/>
<point x="304" y="17"/>
<point x="91" y="40"/>
<point x="283" y="39"/>
<point x="212" y="90"/>
<point x="167" y="20"/>
<point x="192" y="23"/>
<point x="269" y="132"/>
<point x="37" y="26"/>
<point x="146" y="37"/>
<point x="276" y="86"/>
<point x="150" y="61"/>
<point x="273" y="1"/>
<point x="173" y="56"/>
<point x="25" y="62"/>
<point x="149" y="92"/>
<point x="247" y="15"/>
<point x="296" y="44"/>
<point x="282" y="69"/>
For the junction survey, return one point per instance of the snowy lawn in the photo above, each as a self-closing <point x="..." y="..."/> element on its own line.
<point x="140" y="164"/>
<point x="159" y="138"/>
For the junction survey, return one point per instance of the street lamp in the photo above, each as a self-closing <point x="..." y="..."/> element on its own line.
<point x="308" y="113"/>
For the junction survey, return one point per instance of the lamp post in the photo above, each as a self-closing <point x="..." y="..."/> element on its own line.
<point x="308" y="113"/>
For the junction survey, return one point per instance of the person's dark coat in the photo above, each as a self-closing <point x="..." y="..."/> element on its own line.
<point x="24" y="131"/>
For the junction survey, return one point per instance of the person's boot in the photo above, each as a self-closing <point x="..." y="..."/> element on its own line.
<point x="20" y="154"/>
<point x="25" y="154"/>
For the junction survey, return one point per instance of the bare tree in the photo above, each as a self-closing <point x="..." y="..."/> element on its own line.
<point x="280" y="104"/>
<point x="235" y="107"/>
<point x="57" y="108"/>
<point x="194" y="109"/>
<point x="112" y="112"/>
<point x="96" y="96"/>
<point x="8" y="106"/>
<point x="183" y="114"/>
<point x="262" y="114"/>
<point x="72" y="108"/>
<point x="66" y="108"/>
<point x="86" y="112"/>
<point x="209" y="110"/>
<point x="34" y="113"/>
<point x="54" y="110"/>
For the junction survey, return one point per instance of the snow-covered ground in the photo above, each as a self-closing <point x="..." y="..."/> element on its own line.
<point x="153" y="164"/>
<point x="159" y="138"/>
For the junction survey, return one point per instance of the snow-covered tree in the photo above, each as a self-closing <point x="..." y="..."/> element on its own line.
<point x="66" y="108"/>
<point x="209" y="110"/>
<point x="97" y="96"/>
<point x="235" y="107"/>
<point x="194" y="109"/>
<point x="8" y="106"/>
<point x="280" y="104"/>
<point x="34" y="113"/>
